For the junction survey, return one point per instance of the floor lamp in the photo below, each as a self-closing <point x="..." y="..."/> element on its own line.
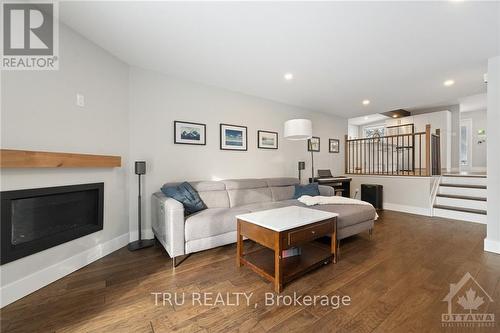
<point x="300" y="130"/>
<point x="140" y="169"/>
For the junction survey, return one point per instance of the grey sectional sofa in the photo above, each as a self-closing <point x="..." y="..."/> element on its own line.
<point x="216" y="225"/>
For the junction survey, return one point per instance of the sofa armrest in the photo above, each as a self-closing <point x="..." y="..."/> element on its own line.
<point x="326" y="191"/>
<point x="168" y="223"/>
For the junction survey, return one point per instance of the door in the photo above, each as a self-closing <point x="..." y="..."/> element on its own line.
<point x="465" y="144"/>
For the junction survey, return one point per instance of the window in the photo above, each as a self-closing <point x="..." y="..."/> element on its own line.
<point x="464" y="144"/>
<point x="374" y="131"/>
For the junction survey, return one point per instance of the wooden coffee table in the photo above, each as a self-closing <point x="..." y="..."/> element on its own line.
<point x="283" y="228"/>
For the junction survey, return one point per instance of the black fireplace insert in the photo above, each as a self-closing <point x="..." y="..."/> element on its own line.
<point x="33" y="220"/>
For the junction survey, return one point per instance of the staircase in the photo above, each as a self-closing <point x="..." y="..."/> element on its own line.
<point x="461" y="197"/>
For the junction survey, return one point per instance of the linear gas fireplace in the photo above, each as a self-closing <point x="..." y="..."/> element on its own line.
<point x="36" y="219"/>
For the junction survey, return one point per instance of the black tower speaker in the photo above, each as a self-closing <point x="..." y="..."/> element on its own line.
<point x="373" y="194"/>
<point x="140" y="167"/>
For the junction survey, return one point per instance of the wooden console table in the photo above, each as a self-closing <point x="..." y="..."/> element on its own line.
<point x="283" y="228"/>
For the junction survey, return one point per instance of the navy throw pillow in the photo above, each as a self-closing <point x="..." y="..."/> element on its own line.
<point x="187" y="195"/>
<point x="309" y="189"/>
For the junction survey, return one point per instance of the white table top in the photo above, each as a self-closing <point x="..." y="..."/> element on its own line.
<point x="281" y="219"/>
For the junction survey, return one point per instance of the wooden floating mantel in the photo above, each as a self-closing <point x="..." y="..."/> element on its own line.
<point x="10" y="158"/>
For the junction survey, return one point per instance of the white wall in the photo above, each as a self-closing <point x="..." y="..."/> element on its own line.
<point x="492" y="241"/>
<point x="438" y="119"/>
<point x="403" y="193"/>
<point x="479" y="121"/>
<point x="453" y="132"/>
<point x="157" y="100"/>
<point x="353" y="132"/>
<point x="39" y="113"/>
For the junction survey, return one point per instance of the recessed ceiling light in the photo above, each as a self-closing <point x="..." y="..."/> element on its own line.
<point x="288" y="76"/>
<point x="366" y="102"/>
<point x="448" y="83"/>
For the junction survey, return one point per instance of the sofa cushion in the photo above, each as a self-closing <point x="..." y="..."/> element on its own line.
<point x="212" y="222"/>
<point x="236" y="184"/>
<point x="187" y="195"/>
<point x="348" y="214"/>
<point x="309" y="189"/>
<point x="256" y="207"/>
<point x="203" y="186"/>
<point x="215" y="199"/>
<point x="248" y="196"/>
<point x="281" y="181"/>
<point x="282" y="192"/>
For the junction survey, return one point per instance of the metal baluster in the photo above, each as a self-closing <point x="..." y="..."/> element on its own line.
<point x="420" y="154"/>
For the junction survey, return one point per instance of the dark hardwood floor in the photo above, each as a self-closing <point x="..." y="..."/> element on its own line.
<point x="396" y="281"/>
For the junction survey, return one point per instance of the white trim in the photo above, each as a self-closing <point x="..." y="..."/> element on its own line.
<point x="407" y="209"/>
<point x="434" y="192"/>
<point x="352" y="175"/>
<point x="22" y="287"/>
<point x="491" y="245"/>
<point x="458" y="215"/>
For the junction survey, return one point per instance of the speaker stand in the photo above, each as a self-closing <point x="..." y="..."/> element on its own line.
<point x="140" y="244"/>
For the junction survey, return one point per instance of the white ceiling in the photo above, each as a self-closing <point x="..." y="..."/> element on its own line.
<point x="397" y="54"/>
<point x="363" y="120"/>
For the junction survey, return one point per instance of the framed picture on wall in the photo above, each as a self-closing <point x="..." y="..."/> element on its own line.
<point x="267" y="140"/>
<point x="187" y="133"/>
<point x="334" y="145"/>
<point x="233" y="137"/>
<point x="313" y="144"/>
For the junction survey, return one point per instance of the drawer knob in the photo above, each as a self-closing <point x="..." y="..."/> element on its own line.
<point x="313" y="232"/>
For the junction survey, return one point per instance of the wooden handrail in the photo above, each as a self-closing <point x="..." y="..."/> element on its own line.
<point x="346" y="152"/>
<point x="398" y="154"/>
<point x="428" y="149"/>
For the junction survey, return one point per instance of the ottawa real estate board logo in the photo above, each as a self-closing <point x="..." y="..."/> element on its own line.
<point x="30" y="36"/>
<point x="468" y="305"/>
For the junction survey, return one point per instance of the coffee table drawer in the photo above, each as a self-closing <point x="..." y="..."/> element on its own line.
<point x="306" y="234"/>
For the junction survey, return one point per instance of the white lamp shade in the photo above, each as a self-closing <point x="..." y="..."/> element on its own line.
<point x="298" y="129"/>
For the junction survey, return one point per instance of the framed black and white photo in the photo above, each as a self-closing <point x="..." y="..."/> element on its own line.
<point x="189" y="133"/>
<point x="313" y="144"/>
<point x="267" y="140"/>
<point x="334" y="145"/>
<point x="233" y="137"/>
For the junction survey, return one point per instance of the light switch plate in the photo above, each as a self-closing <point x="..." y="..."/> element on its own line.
<point x="80" y="100"/>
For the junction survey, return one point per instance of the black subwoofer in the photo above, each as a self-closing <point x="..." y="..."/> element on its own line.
<point x="373" y="194"/>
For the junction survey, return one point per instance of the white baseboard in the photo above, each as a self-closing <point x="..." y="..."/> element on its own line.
<point x="408" y="209"/>
<point x="22" y="287"/>
<point x="491" y="245"/>
<point x="146" y="234"/>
